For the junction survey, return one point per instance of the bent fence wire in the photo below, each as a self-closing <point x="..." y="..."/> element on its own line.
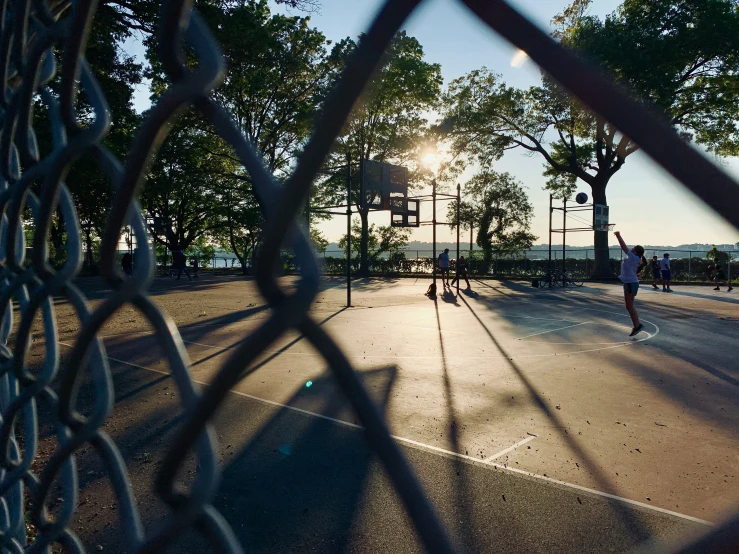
<point x="31" y="32"/>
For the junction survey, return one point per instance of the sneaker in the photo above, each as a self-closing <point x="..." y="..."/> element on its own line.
<point x="669" y="290"/>
<point x="717" y="288"/>
<point x="729" y="289"/>
<point x="655" y="287"/>
<point x="637" y="330"/>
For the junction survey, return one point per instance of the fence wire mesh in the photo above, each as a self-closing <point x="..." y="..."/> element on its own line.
<point x="32" y="31"/>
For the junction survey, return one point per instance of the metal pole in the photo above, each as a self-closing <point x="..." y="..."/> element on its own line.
<point x="459" y="197"/>
<point x="433" y="224"/>
<point x="690" y="265"/>
<point x="551" y="210"/>
<point x="348" y="232"/>
<point x="564" y="233"/>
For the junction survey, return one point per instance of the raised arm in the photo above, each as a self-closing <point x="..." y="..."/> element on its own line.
<point x="621" y="242"/>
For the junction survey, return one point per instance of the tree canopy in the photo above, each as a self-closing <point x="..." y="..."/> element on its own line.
<point x="679" y="56"/>
<point x="498" y="207"/>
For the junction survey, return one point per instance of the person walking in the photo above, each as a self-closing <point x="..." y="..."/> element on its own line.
<point x="462" y="270"/>
<point x="630" y="280"/>
<point x="720" y="277"/>
<point x="127" y="264"/>
<point x="444" y="267"/>
<point x="664" y="265"/>
<point x="179" y="262"/>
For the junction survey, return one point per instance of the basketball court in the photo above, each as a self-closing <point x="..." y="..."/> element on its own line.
<point x="530" y="416"/>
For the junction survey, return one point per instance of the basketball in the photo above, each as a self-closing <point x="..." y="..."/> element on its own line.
<point x="581" y="198"/>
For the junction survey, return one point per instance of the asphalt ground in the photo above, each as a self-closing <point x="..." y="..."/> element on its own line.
<point x="533" y="421"/>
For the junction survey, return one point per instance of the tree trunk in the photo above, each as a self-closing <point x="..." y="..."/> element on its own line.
<point x="364" y="245"/>
<point x="602" y="262"/>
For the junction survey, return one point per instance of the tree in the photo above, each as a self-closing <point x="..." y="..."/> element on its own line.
<point x="181" y="190"/>
<point x="387" y="124"/>
<point x="718" y="257"/>
<point x="680" y="56"/>
<point x="498" y="207"/>
<point x="278" y="72"/>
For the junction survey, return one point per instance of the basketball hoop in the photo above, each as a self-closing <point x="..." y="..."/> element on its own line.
<point x="608" y="227"/>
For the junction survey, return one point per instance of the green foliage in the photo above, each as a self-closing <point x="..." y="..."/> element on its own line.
<point x="717" y="256"/>
<point x="318" y="241"/>
<point x="498" y="207"/>
<point x="682" y="56"/>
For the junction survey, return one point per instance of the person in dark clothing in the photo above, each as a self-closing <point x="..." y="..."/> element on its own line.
<point x="656" y="273"/>
<point x="195" y="267"/>
<point x="462" y="270"/>
<point x="127" y="264"/>
<point x="179" y="262"/>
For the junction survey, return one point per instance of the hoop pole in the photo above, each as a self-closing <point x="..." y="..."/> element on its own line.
<point x="433" y="223"/>
<point x="459" y="196"/>
<point x="349" y="232"/>
<point x="564" y="234"/>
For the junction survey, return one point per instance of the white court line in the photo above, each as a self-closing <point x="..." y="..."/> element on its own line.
<point x="509" y="449"/>
<point x="553" y="330"/>
<point x="431" y="448"/>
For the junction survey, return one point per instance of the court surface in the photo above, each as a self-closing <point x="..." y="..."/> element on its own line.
<point x="533" y="420"/>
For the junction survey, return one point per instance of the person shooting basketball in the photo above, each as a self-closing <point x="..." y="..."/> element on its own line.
<point x="629" y="269"/>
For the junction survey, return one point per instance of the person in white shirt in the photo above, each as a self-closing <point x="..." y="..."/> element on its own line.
<point x="444" y="267"/>
<point x="664" y="265"/>
<point x="629" y="270"/>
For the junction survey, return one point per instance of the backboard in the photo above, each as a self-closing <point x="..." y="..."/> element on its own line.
<point x="405" y="213"/>
<point x="382" y="182"/>
<point x="600" y="217"/>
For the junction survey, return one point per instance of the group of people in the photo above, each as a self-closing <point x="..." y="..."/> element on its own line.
<point x="443" y="264"/>
<point x="462" y="269"/>
<point x="635" y="261"/>
<point x="660" y="271"/>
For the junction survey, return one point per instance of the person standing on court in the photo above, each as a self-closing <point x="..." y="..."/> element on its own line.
<point x="664" y="265"/>
<point x="656" y="272"/>
<point x="630" y="280"/>
<point x="444" y="267"/>
<point x="462" y="269"/>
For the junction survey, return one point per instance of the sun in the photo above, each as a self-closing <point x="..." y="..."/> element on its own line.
<point x="429" y="159"/>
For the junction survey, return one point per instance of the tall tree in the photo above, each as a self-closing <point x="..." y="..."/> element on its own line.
<point x="278" y="72"/>
<point x="387" y="123"/>
<point x="498" y="207"/>
<point x="181" y="194"/>
<point x="680" y="56"/>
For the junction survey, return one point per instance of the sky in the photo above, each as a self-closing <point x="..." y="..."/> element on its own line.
<point x="647" y="205"/>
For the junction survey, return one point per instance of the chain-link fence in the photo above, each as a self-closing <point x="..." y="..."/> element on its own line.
<point x="32" y="31"/>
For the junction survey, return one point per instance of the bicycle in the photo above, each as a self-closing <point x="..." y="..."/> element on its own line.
<point x="567" y="278"/>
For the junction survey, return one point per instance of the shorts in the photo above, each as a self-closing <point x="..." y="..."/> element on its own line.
<point x="444" y="270"/>
<point x="720" y="276"/>
<point x="666" y="275"/>
<point x="631" y="288"/>
<point x="656" y="273"/>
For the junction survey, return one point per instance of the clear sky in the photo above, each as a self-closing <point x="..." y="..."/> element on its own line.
<point x="647" y="205"/>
